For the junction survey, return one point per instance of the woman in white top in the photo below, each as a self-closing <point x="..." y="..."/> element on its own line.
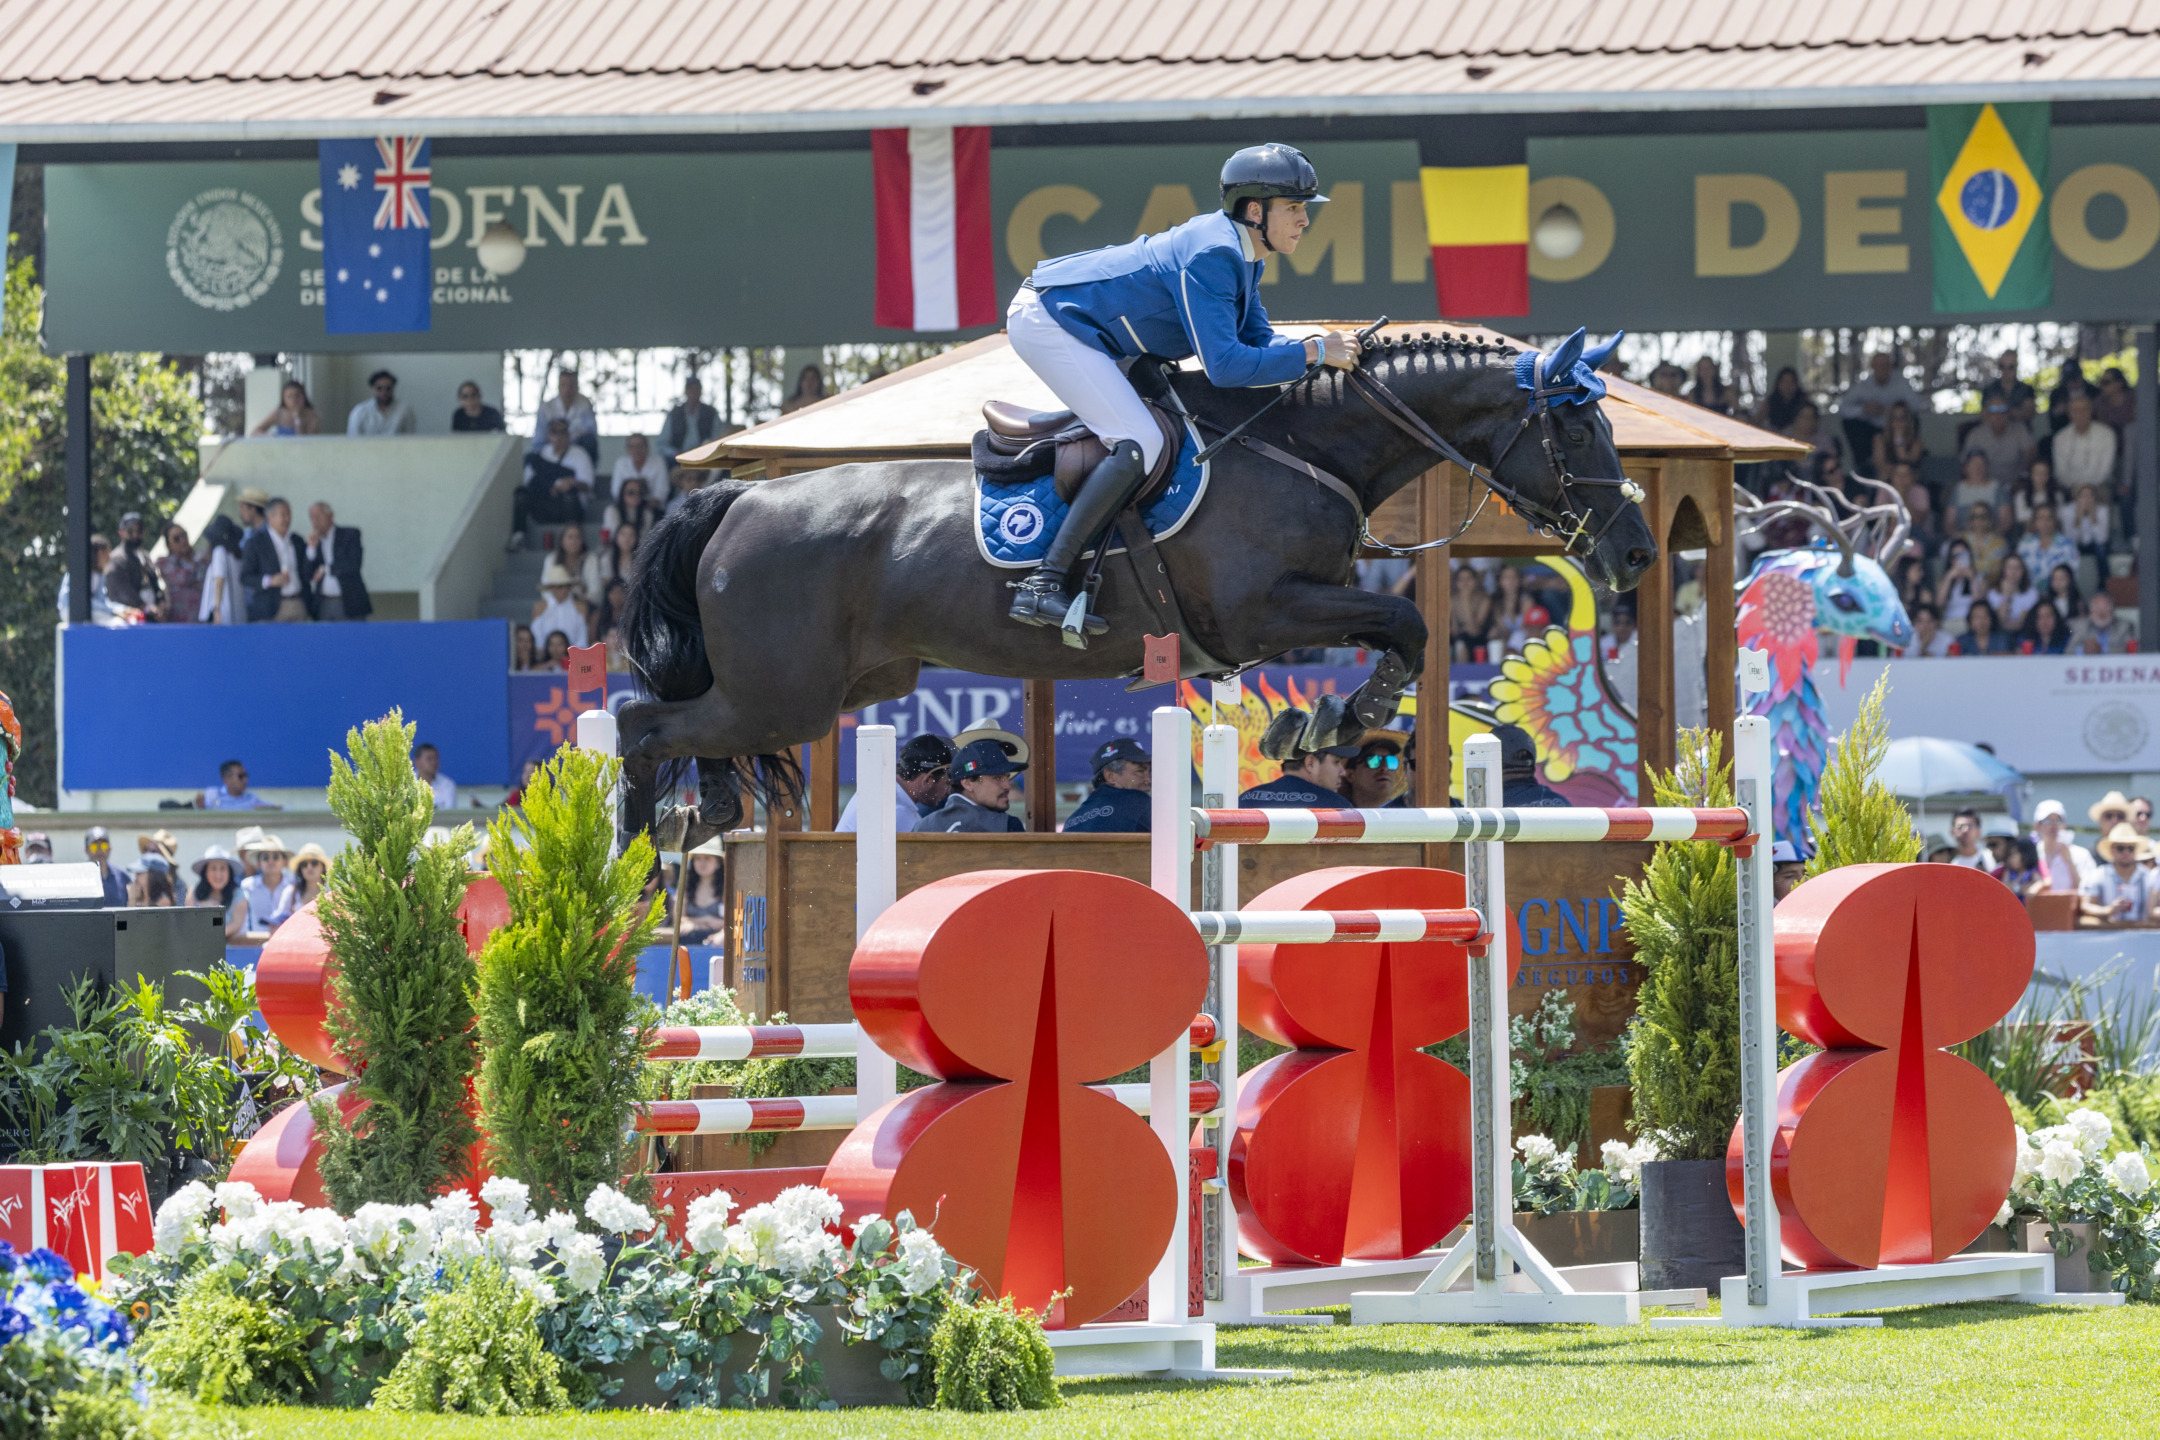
<point x="631" y="507"/>
<point x="580" y="561"/>
<point x="1960" y="583"/>
<point x="2014" y="594"/>
<point x="560" y="610"/>
<point x="221" y="597"/>
<point x="2087" y="522"/>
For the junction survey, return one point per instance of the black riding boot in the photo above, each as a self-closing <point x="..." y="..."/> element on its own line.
<point x="1040" y="599"/>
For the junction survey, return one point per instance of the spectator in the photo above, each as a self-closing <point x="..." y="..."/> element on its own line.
<point x="1982" y="636"/>
<point x="2014" y="593"/>
<point x="1520" y="786"/>
<point x="525" y="775"/>
<point x="1960" y="583"/>
<point x="1710" y="390"/>
<point x="1865" y="406"/>
<point x="383" y="413"/>
<point x="576" y="414"/>
<point x="37" y="848"/>
<point x="232" y="792"/>
<point x="1508" y="607"/>
<point x="268" y="891"/>
<point x="809" y="389"/>
<point x="684" y="482"/>
<point x="632" y="507"/>
<point x="130" y="579"/>
<point x="1830" y="473"/>
<point x="2121" y="891"/>
<point x="704" y="902"/>
<point x="1965" y="837"/>
<point x="521" y="648"/>
<point x="221" y="593"/>
<point x="2100" y="631"/>
<point x="2021" y="868"/>
<point x="180" y="575"/>
<point x="1779" y="408"/>
<point x="607" y="620"/>
<point x="2046" y="632"/>
<point x="2072" y="383"/>
<point x="474" y="413"/>
<point x="1807" y="428"/>
<point x="982" y="776"/>
<point x="310" y="867"/>
<point x="555" y="651"/>
<point x="2012" y="391"/>
<point x="1469" y="611"/>
<point x="2109" y="810"/>
<point x="923" y="780"/>
<point x="2007" y="444"/>
<point x="102" y="610"/>
<point x="156" y="845"/>
<point x="294" y="414"/>
<point x="97" y="844"/>
<point x="1377" y="778"/>
<point x="2083" y="452"/>
<point x="1926" y="532"/>
<point x="427" y="764"/>
<point x="1667" y="378"/>
<point x="1987" y="547"/>
<point x="2036" y="491"/>
<point x="1310" y="780"/>
<point x="2116" y="405"/>
<point x="218" y="883"/>
<point x="1899" y="442"/>
<point x="619" y="560"/>
<point x="2065" y="863"/>
<point x="245" y="839"/>
<point x="2087" y="525"/>
<point x="1911" y="580"/>
<point x="637" y="462"/>
<point x="2062" y="588"/>
<point x="558" y="482"/>
<point x="334" y="556"/>
<point x="1929" y="641"/>
<point x="1119" y="803"/>
<point x="563" y="609"/>
<point x="572" y="553"/>
<point x="690" y="424"/>
<point x="1787" y="870"/>
<point x="270" y="572"/>
<point x="1976" y="486"/>
<point x="157" y="886"/>
<point x="2044" y="547"/>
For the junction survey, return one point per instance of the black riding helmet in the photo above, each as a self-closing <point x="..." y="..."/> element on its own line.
<point x="1268" y="172"/>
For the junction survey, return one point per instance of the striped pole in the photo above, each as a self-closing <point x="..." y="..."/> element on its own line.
<point x="751" y="1042"/>
<point x="1728" y="826"/>
<point x="834" y="1112"/>
<point x="1334" y="927"/>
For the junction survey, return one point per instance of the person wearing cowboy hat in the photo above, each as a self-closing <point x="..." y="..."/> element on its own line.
<point x="2110" y="810"/>
<point x="1310" y="779"/>
<point x="245" y="839"/>
<point x="2065" y="864"/>
<point x="269" y="891"/>
<point x="2121" y="892"/>
<point x="982" y="774"/>
<point x="561" y="610"/>
<point x="254" y="504"/>
<point x="704" y="904"/>
<point x="1379" y="775"/>
<point x="310" y="868"/>
<point x="1014" y="747"/>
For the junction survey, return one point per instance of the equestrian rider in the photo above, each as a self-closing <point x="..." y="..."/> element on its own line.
<point x="1191" y="290"/>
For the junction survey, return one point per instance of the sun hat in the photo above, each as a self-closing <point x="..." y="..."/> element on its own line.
<point x="710" y="847"/>
<point x="164" y="840"/>
<point x="214" y="852"/>
<point x="246" y="838"/>
<point x="2122" y="834"/>
<point x="310" y="851"/>
<point x="271" y="845"/>
<point x="2113" y="800"/>
<point x="254" y="497"/>
<point x="556" y="574"/>
<point x="984" y="757"/>
<point x="1014" y="747"/>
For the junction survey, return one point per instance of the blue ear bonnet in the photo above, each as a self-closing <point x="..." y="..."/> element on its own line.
<point x="1570" y="367"/>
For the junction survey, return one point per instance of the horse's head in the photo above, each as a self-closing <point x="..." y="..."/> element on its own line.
<point x="1854" y="596"/>
<point x="1556" y="452"/>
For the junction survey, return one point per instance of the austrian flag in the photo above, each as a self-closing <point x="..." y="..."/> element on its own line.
<point x="934" y="268"/>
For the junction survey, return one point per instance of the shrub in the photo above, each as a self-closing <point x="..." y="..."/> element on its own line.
<point x="224" y="1348"/>
<point x="1860" y="820"/>
<point x="477" y="1352"/>
<point x="401" y="1011"/>
<point x="1683" y="915"/>
<point x="990" y="1356"/>
<point x="559" y="1017"/>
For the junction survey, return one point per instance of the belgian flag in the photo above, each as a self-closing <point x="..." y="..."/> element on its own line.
<point x="1991" y="247"/>
<point x="1475" y="177"/>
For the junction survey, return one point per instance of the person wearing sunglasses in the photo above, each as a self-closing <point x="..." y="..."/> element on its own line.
<point x="1379" y="776"/>
<point x="1119" y="803"/>
<point x="923" y="780"/>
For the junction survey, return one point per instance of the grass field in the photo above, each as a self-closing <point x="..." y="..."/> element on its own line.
<point x="1978" y="1370"/>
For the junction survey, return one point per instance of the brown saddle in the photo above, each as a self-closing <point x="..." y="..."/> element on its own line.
<point x="1015" y="431"/>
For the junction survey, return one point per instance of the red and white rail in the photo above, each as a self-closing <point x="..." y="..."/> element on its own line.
<point x="752" y="1042"/>
<point x="834" y="1112"/>
<point x="1334" y="927"/>
<point x="1728" y="826"/>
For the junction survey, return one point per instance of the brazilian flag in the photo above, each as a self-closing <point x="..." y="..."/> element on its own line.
<point x="1990" y="164"/>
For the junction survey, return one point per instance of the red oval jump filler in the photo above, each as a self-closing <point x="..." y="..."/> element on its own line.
<point x="1018" y="989"/>
<point x="1889" y="1149"/>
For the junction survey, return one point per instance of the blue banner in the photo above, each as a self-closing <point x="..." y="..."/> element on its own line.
<point x="377" y="275"/>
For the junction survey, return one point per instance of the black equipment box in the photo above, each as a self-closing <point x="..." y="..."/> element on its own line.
<point x="47" y="949"/>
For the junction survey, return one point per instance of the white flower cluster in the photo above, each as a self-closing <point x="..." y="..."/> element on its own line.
<point x="616" y="1212"/>
<point x="2061" y="1153"/>
<point x="1623" y="1162"/>
<point x="787" y="1234"/>
<point x="1541" y="1156"/>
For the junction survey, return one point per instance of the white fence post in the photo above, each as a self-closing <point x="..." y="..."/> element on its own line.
<point x="1752" y="780"/>
<point x="1491" y="1184"/>
<point x="1219" y="748"/>
<point x="1170" y="853"/>
<point x="877" y="885"/>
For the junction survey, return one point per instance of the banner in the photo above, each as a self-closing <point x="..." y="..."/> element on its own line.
<point x="2042" y="714"/>
<point x="1990" y="165"/>
<point x="375" y="234"/>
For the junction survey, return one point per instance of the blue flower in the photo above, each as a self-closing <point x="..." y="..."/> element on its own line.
<point x="47" y="1266"/>
<point x="8" y="1259"/>
<point x="14" y="1324"/>
<point x="67" y="1298"/>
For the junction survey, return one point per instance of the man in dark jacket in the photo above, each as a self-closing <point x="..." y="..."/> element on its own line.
<point x="273" y="570"/>
<point x="1119" y="803"/>
<point x="1520" y="789"/>
<point x="333" y="567"/>
<point x="689" y="424"/>
<point x="982" y="794"/>
<point x="130" y="578"/>
<point x="1311" y="780"/>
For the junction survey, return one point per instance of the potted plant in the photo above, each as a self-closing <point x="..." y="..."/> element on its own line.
<point x="1579" y="1217"/>
<point x="2094" y="1211"/>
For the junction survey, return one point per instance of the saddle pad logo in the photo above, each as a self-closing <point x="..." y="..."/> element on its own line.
<point x="1021" y="523"/>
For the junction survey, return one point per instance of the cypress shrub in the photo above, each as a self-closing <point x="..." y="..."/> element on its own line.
<point x="401" y="1010"/>
<point x="1683" y="915"/>
<point x="563" y="1033"/>
<point x="1861" y="821"/>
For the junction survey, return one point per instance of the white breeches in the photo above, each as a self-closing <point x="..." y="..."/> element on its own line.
<point x="1087" y="381"/>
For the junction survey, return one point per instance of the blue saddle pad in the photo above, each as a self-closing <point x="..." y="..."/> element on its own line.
<point x="1014" y="523"/>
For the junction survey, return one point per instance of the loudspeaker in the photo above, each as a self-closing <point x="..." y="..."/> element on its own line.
<point x="48" y="949"/>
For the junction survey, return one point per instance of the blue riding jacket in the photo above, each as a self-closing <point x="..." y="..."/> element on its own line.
<point x="1188" y="291"/>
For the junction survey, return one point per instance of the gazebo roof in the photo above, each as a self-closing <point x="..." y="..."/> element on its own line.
<point x="933" y="409"/>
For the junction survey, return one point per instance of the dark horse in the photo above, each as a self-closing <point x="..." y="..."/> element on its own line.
<point x="760" y="612"/>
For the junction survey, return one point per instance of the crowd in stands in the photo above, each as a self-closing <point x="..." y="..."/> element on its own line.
<point x="256" y="569"/>
<point x="2114" y="880"/>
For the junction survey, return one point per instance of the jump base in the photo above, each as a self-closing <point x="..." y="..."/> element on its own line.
<point x="1505" y="1307"/>
<point x="1177" y="1351"/>
<point x="1256" y="1293"/>
<point x="1810" y="1299"/>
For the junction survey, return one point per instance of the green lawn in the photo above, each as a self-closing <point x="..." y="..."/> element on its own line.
<point x="1980" y="1370"/>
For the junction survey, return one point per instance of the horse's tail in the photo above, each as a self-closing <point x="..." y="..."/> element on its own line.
<point x="661" y="627"/>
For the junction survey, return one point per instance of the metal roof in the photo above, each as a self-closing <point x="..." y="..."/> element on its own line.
<point x="88" y="70"/>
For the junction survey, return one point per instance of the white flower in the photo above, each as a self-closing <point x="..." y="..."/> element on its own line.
<point x="517" y="1242"/>
<point x="560" y="1228"/>
<point x="2027" y="1154"/>
<point x="705" y="1224"/>
<point x="584" y="1267"/>
<point x="419" y="1246"/>
<point x="510" y="1200"/>
<point x="1537" y="1151"/>
<point x="800" y="1254"/>
<point x="374" y="1232"/>
<point x="180" y="1219"/>
<point x="2061" y="1162"/>
<point x="238" y="1199"/>
<point x="807" y="1207"/>
<point x="2093" y="1132"/>
<point x="323" y="1231"/>
<point x="2127" y="1173"/>
<point x="1623" y="1163"/>
<point x="616" y="1212"/>
<point x="922" y="1262"/>
<point x="533" y="1283"/>
<point x="454" y="1211"/>
<point x="756" y="1236"/>
<point x="2002" y="1216"/>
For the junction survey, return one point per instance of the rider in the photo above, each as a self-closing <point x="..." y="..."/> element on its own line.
<point x="1191" y="290"/>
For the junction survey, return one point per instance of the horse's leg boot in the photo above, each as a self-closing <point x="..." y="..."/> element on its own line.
<point x="1376" y="700"/>
<point x="719" y="804"/>
<point x="1040" y="599"/>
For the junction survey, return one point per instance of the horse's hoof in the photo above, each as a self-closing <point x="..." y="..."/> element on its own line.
<point x="1374" y="711"/>
<point x="668" y="829"/>
<point x="1280" y="740"/>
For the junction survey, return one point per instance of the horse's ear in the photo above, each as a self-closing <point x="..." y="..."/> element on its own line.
<point x="1561" y="364"/>
<point x="1597" y="355"/>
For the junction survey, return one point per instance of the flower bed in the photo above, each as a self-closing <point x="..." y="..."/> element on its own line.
<point x="436" y="1307"/>
<point x="2077" y="1174"/>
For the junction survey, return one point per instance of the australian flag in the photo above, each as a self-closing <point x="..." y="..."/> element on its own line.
<point x="377" y="274"/>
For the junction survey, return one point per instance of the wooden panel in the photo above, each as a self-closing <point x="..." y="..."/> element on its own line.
<point x="825" y="780"/>
<point x="1434" y="758"/>
<point x="1038" y="720"/>
<point x="1653" y="645"/>
<point x="744" y="952"/>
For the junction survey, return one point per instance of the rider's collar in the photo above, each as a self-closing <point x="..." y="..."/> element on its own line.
<point x="1246" y="243"/>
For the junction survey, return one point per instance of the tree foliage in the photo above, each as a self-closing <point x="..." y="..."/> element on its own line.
<point x="401" y="1010"/>
<point x="1683" y="915"/>
<point x="1861" y="821"/>
<point x="565" y="1037"/>
<point x="145" y="424"/>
